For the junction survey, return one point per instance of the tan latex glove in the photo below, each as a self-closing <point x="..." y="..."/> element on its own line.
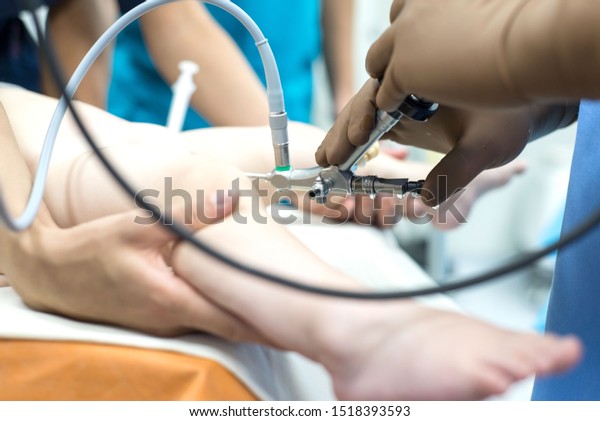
<point x="473" y="140"/>
<point x="488" y="52"/>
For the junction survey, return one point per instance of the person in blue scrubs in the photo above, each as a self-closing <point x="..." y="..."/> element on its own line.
<point x="72" y="26"/>
<point x="504" y="73"/>
<point x="139" y="91"/>
<point x="19" y="58"/>
<point x="293" y="29"/>
<point x="576" y="286"/>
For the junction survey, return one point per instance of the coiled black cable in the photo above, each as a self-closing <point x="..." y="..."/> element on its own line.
<point x="182" y="232"/>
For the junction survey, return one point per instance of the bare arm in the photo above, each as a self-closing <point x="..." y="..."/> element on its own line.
<point x="337" y="21"/>
<point x="228" y="93"/>
<point x="74" y="26"/>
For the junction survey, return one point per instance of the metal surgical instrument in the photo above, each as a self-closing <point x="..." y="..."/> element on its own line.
<point x="321" y="182"/>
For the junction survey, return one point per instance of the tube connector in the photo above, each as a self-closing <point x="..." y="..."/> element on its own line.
<point x="278" y="122"/>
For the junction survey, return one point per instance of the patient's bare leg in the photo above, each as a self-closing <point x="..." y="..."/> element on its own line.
<point x="373" y="350"/>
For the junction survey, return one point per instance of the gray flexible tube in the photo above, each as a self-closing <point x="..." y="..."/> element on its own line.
<point x="278" y="116"/>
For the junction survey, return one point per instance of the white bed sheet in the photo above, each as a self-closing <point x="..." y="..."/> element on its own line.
<point x="270" y="374"/>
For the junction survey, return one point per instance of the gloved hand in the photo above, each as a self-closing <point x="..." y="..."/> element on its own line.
<point x="473" y="140"/>
<point x="351" y="129"/>
<point x="488" y="52"/>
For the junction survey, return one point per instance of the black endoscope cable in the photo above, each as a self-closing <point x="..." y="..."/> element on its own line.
<point x="188" y="236"/>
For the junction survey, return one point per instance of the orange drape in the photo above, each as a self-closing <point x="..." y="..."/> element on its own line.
<point x="43" y="370"/>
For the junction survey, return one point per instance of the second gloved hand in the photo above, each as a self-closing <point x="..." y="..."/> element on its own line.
<point x="473" y="141"/>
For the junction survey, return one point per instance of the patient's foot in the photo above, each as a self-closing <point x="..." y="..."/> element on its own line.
<point x="404" y="350"/>
<point x="456" y="209"/>
<point x="374" y="350"/>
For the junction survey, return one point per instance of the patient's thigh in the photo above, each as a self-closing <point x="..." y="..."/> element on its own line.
<point x="152" y="161"/>
<point x="79" y="188"/>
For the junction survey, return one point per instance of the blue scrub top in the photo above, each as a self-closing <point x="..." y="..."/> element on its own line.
<point x="19" y="57"/>
<point x="138" y="92"/>
<point x="573" y="307"/>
